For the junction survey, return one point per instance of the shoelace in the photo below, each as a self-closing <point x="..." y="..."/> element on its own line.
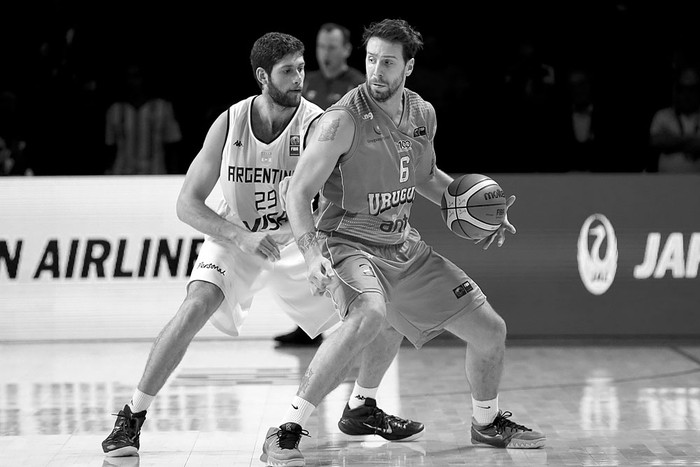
<point x="124" y="426"/>
<point x="290" y="439"/>
<point x="501" y="423"/>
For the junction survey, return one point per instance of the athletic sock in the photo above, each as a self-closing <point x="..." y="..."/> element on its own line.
<point x="359" y="394"/>
<point x="484" y="412"/>
<point x="299" y="411"/>
<point x="140" y="401"/>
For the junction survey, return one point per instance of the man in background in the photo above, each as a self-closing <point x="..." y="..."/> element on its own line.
<point x="334" y="77"/>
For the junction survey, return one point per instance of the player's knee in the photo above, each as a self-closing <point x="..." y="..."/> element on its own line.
<point x="367" y="315"/>
<point x="199" y="305"/>
<point x="495" y="328"/>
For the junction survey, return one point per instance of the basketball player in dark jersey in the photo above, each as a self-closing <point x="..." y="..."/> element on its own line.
<point x="371" y="156"/>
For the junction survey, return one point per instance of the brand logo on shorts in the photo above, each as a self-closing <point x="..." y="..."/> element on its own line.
<point x="203" y="265"/>
<point x="420" y="131"/>
<point x="463" y="289"/>
<point x="366" y="270"/>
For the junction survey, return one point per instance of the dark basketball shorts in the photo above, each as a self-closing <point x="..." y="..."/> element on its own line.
<point x="424" y="291"/>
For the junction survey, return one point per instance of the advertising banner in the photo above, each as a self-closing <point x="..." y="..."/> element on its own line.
<point x="604" y="255"/>
<point x="594" y="255"/>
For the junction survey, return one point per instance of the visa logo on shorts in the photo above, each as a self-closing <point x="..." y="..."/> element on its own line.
<point x="203" y="265"/>
<point x="463" y="289"/>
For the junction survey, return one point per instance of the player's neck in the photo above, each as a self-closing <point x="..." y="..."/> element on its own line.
<point x="269" y="119"/>
<point x="393" y="106"/>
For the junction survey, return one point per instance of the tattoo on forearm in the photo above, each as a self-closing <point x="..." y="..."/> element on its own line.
<point x="328" y="130"/>
<point x="306" y="241"/>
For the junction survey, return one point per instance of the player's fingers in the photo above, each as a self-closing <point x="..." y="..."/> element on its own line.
<point x="489" y="241"/>
<point x="328" y="270"/>
<point x="510" y="201"/>
<point x="271" y="248"/>
<point x="501" y="238"/>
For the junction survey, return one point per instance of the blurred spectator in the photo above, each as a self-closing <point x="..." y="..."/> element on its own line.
<point x="675" y="130"/>
<point x="61" y="92"/>
<point x="13" y="159"/>
<point x="592" y="136"/>
<point x="141" y="129"/>
<point x="529" y="109"/>
<point x="334" y="77"/>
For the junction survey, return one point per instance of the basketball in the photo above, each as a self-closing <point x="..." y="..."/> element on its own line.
<point x="473" y="206"/>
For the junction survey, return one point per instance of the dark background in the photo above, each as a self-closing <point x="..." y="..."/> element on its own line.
<point x="196" y="55"/>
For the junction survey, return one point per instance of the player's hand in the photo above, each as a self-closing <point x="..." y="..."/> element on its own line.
<point x="261" y="244"/>
<point x="319" y="273"/>
<point x="500" y="233"/>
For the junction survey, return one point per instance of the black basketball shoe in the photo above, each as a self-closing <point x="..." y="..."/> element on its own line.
<point x="369" y="419"/>
<point x="124" y="438"/>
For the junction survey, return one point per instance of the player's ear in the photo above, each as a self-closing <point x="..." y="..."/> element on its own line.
<point x="409" y="66"/>
<point x="261" y="75"/>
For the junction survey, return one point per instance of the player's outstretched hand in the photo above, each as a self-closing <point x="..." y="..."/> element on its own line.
<point x="500" y="234"/>
<point x="261" y="244"/>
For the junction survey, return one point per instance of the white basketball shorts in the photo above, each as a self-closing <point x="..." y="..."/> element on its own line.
<point x="240" y="276"/>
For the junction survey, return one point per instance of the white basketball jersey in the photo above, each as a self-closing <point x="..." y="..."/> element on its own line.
<point x="251" y="170"/>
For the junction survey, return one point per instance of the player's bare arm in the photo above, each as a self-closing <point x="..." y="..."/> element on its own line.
<point x="435" y="186"/>
<point x="200" y="180"/>
<point x="331" y="139"/>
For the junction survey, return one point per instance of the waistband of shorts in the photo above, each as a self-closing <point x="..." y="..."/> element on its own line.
<point x="325" y="234"/>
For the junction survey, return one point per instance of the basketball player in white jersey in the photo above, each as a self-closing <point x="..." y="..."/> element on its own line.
<point x="371" y="155"/>
<point x="248" y="151"/>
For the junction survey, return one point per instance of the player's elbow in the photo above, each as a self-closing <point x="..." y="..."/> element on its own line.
<point x="182" y="208"/>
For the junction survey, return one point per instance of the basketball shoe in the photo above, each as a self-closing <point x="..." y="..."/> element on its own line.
<point x="281" y="446"/>
<point x="504" y="433"/>
<point x="298" y="337"/>
<point x="369" y="419"/>
<point x="124" y="438"/>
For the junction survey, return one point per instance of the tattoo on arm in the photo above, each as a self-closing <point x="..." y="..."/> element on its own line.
<point x="329" y="130"/>
<point x="306" y="241"/>
<point x="303" y="386"/>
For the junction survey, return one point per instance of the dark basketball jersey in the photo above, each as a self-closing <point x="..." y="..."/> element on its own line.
<point x="371" y="190"/>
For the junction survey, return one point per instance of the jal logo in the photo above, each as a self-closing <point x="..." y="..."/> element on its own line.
<point x="672" y="258"/>
<point x="597" y="254"/>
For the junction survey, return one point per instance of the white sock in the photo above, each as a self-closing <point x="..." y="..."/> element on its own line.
<point x="484" y="412"/>
<point x="140" y="401"/>
<point x="359" y="394"/>
<point x="299" y="411"/>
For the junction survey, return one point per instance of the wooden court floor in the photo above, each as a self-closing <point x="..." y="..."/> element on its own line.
<point x="599" y="405"/>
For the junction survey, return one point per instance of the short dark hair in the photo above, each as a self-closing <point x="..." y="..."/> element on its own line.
<point x="329" y="27"/>
<point x="270" y="48"/>
<point x="396" y="30"/>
